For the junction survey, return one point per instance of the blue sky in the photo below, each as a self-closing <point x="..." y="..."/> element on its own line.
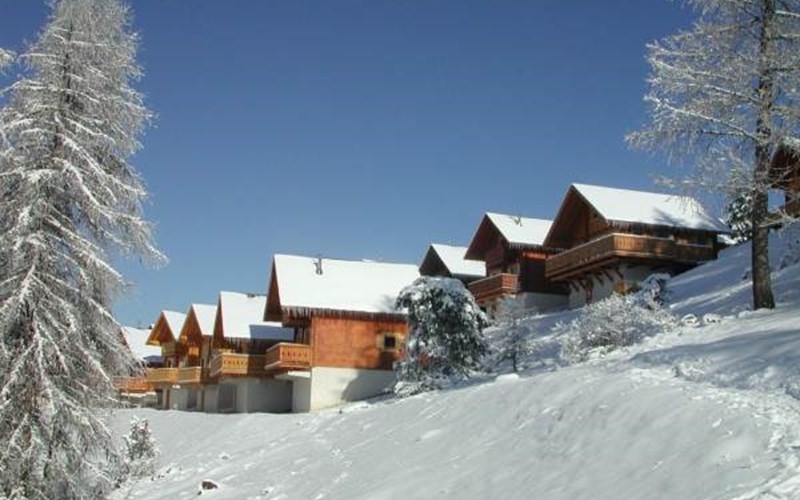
<point x="369" y="128"/>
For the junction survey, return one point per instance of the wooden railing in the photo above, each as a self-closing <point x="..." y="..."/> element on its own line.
<point x="231" y="364"/>
<point x="132" y="385"/>
<point x="584" y="256"/>
<point x="498" y="284"/>
<point x="190" y="375"/>
<point x="162" y="375"/>
<point x="286" y="356"/>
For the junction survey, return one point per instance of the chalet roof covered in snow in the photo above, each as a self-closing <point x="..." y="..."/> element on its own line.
<point x="642" y="207"/>
<point x="517" y="231"/>
<point x="167" y="328"/>
<point x="136" y="339"/>
<point x="452" y="258"/>
<point x="242" y="318"/>
<point x="300" y="285"/>
<point x="206" y="314"/>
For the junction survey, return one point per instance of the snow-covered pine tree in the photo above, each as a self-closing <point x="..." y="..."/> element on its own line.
<point x="511" y="340"/>
<point x="445" y="337"/>
<point x="738" y="216"/>
<point x="68" y="198"/>
<point x="725" y="95"/>
<point x="141" y="448"/>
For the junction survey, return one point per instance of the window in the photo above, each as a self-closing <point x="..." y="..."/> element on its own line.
<point x="389" y="342"/>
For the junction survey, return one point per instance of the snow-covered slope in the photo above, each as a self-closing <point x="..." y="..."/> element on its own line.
<point x="701" y="412"/>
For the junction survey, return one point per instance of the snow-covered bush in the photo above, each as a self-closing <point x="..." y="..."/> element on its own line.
<point x="141" y="449"/>
<point x="619" y="320"/>
<point x="445" y="338"/>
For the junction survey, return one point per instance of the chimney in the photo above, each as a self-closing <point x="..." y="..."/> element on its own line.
<point x="318" y="265"/>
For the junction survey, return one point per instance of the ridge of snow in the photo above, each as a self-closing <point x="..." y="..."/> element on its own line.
<point x="642" y="207"/>
<point x="206" y="315"/>
<point x="175" y="321"/>
<point x="242" y="318"/>
<point x="518" y="230"/>
<point x="136" y="339"/>
<point x="453" y="259"/>
<point x="343" y="285"/>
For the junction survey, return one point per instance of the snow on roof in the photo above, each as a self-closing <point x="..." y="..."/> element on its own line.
<point x="175" y="321"/>
<point x="519" y="230"/>
<point x="641" y="207"/>
<point x="342" y="285"/>
<point x="453" y="259"/>
<point x="206" y="316"/>
<point x="242" y="317"/>
<point x="136" y="338"/>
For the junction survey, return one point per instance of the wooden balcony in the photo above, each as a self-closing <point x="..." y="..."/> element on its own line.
<point x="614" y="247"/>
<point x="132" y="385"/>
<point x="494" y="286"/>
<point x="228" y="364"/>
<point x="162" y="375"/>
<point x="285" y="356"/>
<point x="190" y="375"/>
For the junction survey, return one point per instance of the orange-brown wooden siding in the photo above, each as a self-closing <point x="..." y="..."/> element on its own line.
<point x="353" y="343"/>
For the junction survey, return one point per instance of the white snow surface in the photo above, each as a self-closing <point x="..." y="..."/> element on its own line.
<point x="242" y="318"/>
<point x="453" y="259"/>
<point x="701" y="412"/>
<point x="519" y="230"/>
<point x="641" y="207"/>
<point x="343" y="285"/>
<point x="136" y="338"/>
<point x="206" y="315"/>
<point x="175" y="321"/>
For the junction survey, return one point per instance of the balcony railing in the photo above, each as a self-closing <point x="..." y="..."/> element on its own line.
<point x="586" y="256"/>
<point x="285" y="356"/>
<point x="232" y="364"/>
<point x="190" y="375"/>
<point x="493" y="286"/>
<point x="162" y="375"/>
<point x="132" y="385"/>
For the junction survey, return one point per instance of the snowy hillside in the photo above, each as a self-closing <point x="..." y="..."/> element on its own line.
<point x="702" y="412"/>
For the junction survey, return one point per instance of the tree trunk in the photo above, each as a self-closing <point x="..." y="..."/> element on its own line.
<point x="762" y="281"/>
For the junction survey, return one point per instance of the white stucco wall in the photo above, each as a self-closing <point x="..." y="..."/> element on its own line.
<point x="334" y="386"/>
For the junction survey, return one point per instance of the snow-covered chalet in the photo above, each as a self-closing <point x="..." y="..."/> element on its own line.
<point x="449" y="261"/>
<point x="347" y="331"/>
<point x="614" y="238"/>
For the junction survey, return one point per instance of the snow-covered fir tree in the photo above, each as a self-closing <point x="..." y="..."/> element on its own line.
<point x="6" y="58"/>
<point x="69" y="199"/>
<point x="738" y="216"/>
<point x="511" y="339"/>
<point x="724" y="96"/>
<point x="445" y="339"/>
<point x="141" y="449"/>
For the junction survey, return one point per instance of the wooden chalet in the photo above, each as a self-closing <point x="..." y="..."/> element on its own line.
<point x="164" y="334"/>
<point x="195" y="351"/>
<point x="448" y="261"/>
<point x="241" y="339"/>
<point x="785" y="170"/>
<point x="347" y="332"/>
<point x="135" y="384"/>
<point x="614" y="238"/>
<point x="514" y="253"/>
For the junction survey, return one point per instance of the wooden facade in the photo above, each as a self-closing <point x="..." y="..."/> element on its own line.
<point x="601" y="252"/>
<point x="511" y="267"/>
<point x="785" y="170"/>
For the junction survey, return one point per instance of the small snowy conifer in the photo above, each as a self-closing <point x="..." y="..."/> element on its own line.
<point x="141" y="448"/>
<point x="68" y="197"/>
<point x="445" y="340"/>
<point x="738" y="216"/>
<point x="511" y="340"/>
